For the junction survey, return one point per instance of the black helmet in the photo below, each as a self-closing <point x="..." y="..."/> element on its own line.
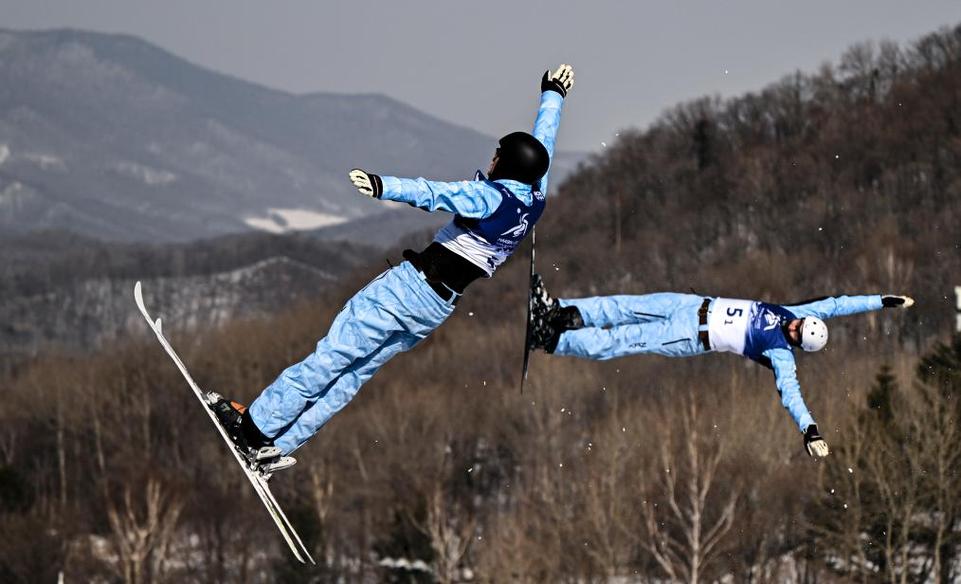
<point x="521" y="157"/>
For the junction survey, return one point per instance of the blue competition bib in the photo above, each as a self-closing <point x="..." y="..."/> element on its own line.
<point x="510" y="223"/>
<point x="764" y="331"/>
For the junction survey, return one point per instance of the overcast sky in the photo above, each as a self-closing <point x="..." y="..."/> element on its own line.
<point x="479" y="63"/>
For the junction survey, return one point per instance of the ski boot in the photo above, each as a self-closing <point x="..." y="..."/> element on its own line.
<point x="550" y="319"/>
<point x="257" y="450"/>
<point x="543" y="305"/>
<point x="543" y="334"/>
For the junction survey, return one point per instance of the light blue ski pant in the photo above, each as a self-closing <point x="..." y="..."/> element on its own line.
<point x="397" y="310"/>
<point x="615" y="326"/>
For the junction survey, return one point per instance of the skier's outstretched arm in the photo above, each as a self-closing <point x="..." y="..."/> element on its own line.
<point x="554" y="88"/>
<point x="474" y="199"/>
<point x="785" y="376"/>
<point x="832" y="306"/>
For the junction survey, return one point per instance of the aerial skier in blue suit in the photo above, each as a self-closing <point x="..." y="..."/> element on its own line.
<point x="404" y="304"/>
<point x="687" y="325"/>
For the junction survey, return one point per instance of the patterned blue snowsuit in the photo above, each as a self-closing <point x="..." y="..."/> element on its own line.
<point x="668" y="324"/>
<point x="398" y="309"/>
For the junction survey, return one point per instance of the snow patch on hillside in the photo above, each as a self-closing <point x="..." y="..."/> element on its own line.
<point x="286" y="220"/>
<point x="13" y="195"/>
<point x="46" y="161"/>
<point x="247" y="272"/>
<point x="145" y="174"/>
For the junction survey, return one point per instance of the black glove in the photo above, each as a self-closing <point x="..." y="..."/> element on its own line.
<point x="559" y="81"/>
<point x="814" y="443"/>
<point x="891" y="301"/>
<point x="368" y="184"/>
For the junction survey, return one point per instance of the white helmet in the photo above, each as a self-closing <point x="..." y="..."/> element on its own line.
<point x="814" y="334"/>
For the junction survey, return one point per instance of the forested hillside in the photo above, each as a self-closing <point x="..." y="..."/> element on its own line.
<point x="66" y="292"/>
<point x="641" y="469"/>
<point x="845" y="180"/>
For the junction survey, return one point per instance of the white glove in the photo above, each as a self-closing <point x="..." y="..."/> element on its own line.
<point x="561" y="80"/>
<point x="369" y="185"/>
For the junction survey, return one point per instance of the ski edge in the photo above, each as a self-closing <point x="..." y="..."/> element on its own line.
<point x="530" y="312"/>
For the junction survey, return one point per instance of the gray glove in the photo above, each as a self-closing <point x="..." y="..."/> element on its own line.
<point x="369" y="185"/>
<point x="814" y="443"/>
<point x="560" y="80"/>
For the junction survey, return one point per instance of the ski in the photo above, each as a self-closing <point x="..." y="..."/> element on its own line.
<point x="530" y="311"/>
<point x="256" y="479"/>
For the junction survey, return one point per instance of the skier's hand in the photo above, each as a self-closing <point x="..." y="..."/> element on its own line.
<point x="814" y="443"/>
<point x="368" y="184"/>
<point x="891" y="301"/>
<point x="560" y="80"/>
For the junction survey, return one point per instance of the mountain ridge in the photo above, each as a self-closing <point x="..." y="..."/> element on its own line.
<point x="118" y="139"/>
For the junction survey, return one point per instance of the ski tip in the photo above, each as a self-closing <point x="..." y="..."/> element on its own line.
<point x="310" y="558"/>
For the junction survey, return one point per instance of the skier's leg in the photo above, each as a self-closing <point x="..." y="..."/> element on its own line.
<point x="365" y="322"/>
<point x="339" y="393"/>
<point x="599" y="311"/>
<point x="398" y="302"/>
<point x="673" y="336"/>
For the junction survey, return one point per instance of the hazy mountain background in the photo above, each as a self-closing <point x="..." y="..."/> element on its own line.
<point x="115" y="155"/>
<point x="110" y="137"/>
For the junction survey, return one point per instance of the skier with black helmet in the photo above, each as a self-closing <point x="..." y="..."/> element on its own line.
<point x="403" y="305"/>
<point x="687" y="325"/>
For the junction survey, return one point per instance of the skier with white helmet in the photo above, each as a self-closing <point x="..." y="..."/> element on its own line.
<point x="403" y="305"/>
<point x="686" y="325"/>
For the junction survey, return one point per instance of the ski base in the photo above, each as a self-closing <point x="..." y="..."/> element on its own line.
<point x="257" y="479"/>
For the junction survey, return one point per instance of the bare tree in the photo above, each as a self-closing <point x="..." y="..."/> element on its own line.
<point x="143" y="531"/>
<point x="451" y="529"/>
<point x="684" y="537"/>
<point x="321" y="495"/>
<point x="845" y="507"/>
<point x="939" y="439"/>
<point x="9" y="438"/>
<point x="893" y="468"/>
<point x="449" y="523"/>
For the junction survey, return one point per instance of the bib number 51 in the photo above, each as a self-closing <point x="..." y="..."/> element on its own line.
<point x="731" y="311"/>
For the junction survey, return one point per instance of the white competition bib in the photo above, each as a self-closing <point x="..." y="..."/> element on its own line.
<point x="727" y="324"/>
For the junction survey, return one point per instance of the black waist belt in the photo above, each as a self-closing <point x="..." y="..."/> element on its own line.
<point x="703" y="335"/>
<point x="445" y="272"/>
